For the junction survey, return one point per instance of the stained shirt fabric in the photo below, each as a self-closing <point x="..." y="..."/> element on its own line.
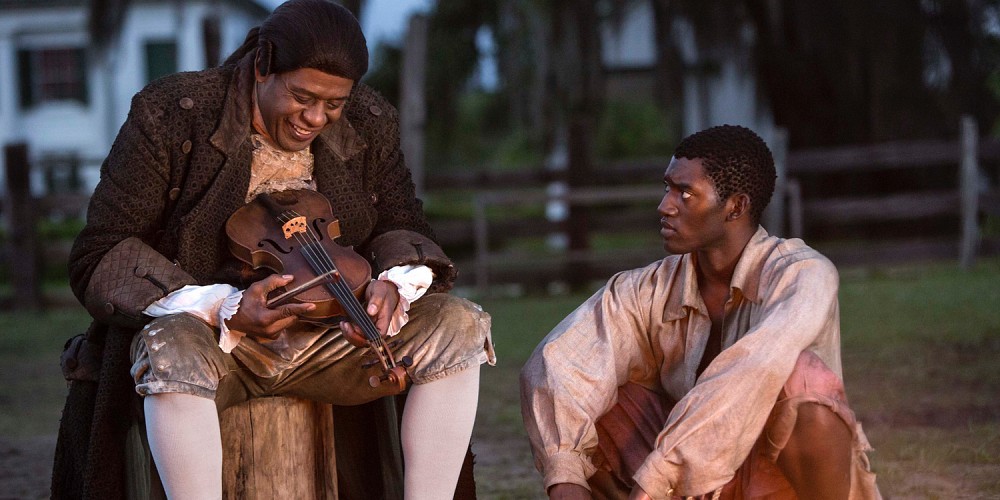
<point x="650" y="326"/>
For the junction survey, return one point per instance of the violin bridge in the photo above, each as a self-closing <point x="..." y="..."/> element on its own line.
<point x="295" y="226"/>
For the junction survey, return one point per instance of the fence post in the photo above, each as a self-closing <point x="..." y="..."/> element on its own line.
<point x="795" y="216"/>
<point x="413" y="107"/>
<point x="969" y="185"/>
<point x="22" y="248"/>
<point x="774" y="218"/>
<point x="481" y="229"/>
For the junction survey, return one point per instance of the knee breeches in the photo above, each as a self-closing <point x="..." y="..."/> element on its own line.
<point x="180" y="353"/>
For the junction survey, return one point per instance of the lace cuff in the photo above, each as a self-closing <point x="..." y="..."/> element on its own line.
<point x="412" y="282"/>
<point x="213" y="304"/>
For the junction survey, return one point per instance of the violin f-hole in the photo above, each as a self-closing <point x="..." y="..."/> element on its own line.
<point x="274" y="244"/>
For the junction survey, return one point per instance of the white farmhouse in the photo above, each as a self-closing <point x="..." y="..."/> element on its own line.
<point x="719" y="86"/>
<point x="66" y="100"/>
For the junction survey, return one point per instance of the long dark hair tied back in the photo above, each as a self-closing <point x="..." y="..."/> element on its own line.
<point x="316" y="34"/>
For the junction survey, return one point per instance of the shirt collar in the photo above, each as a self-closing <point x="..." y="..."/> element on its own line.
<point x="684" y="290"/>
<point x="746" y="278"/>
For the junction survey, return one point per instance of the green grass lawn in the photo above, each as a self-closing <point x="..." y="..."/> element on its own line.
<point x="921" y="350"/>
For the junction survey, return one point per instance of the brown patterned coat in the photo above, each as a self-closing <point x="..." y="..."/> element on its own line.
<point x="178" y="169"/>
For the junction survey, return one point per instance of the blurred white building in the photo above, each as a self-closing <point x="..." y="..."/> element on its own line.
<point x="720" y="87"/>
<point x="67" y="100"/>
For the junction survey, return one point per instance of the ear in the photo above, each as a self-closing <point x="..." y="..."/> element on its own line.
<point x="262" y="62"/>
<point x="256" y="68"/>
<point x="738" y="206"/>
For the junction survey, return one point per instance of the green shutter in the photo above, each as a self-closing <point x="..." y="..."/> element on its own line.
<point x="161" y="59"/>
<point x="81" y="72"/>
<point x="24" y="74"/>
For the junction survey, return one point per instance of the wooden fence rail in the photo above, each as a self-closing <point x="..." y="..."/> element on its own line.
<point x="510" y="207"/>
<point x="973" y="196"/>
<point x="793" y="213"/>
<point x="486" y="260"/>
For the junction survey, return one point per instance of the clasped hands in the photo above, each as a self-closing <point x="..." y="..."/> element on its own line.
<point x="255" y="319"/>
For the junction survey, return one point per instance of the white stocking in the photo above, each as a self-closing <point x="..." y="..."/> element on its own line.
<point x="437" y="426"/>
<point x="186" y="444"/>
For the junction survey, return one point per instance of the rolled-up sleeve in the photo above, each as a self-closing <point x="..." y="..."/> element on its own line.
<point x="571" y="378"/>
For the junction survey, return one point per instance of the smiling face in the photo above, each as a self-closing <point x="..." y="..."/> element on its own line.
<point x="294" y="107"/>
<point x="692" y="217"/>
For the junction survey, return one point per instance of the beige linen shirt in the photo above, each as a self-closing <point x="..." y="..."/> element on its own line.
<point x="650" y="326"/>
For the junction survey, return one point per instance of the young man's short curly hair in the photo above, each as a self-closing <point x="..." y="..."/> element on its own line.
<point x="737" y="160"/>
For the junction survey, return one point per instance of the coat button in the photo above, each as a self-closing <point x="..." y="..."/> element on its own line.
<point x="374" y="198"/>
<point x="186" y="103"/>
<point x="375" y="110"/>
<point x="109" y="308"/>
<point x="174" y="194"/>
<point x="140" y="271"/>
<point x="186" y="147"/>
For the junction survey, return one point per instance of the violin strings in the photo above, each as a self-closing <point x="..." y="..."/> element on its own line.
<point x="321" y="262"/>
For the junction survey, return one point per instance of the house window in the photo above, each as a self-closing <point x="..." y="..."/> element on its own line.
<point x="52" y="74"/>
<point x="161" y="59"/>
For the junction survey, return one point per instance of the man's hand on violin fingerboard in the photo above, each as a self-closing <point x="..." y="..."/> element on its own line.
<point x="382" y="298"/>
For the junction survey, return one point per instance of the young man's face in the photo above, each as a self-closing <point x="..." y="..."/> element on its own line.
<point x="692" y="217"/>
<point x="297" y="105"/>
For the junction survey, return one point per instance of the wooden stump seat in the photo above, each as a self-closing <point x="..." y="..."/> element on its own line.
<point x="271" y="448"/>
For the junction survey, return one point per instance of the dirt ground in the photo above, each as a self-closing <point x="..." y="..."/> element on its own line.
<point x="25" y="467"/>
<point x="503" y="471"/>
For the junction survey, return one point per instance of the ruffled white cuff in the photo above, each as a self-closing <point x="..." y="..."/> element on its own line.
<point x="213" y="304"/>
<point x="228" y="339"/>
<point x="412" y="282"/>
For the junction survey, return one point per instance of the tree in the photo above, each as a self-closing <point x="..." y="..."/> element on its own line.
<point x="857" y="71"/>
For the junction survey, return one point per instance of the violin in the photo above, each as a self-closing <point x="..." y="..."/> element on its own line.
<point x="294" y="232"/>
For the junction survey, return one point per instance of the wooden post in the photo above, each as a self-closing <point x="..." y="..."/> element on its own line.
<point x="278" y="448"/>
<point x="274" y="447"/>
<point x="774" y="217"/>
<point x="481" y="229"/>
<point x="22" y="251"/>
<point x="413" y="105"/>
<point x="795" y="216"/>
<point x="969" y="185"/>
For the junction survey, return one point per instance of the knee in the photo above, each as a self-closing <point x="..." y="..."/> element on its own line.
<point x="177" y="334"/>
<point x="817" y="458"/>
<point x="177" y="353"/>
<point x="820" y="431"/>
<point x="452" y="316"/>
<point x="449" y="306"/>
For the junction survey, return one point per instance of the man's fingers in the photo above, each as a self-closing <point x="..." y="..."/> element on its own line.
<point x="275" y="281"/>
<point x="296" y="309"/>
<point x="279" y="281"/>
<point x="353" y="334"/>
<point x="374" y="304"/>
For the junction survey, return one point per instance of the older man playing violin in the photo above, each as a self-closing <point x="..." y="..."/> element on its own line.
<point x="183" y="323"/>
